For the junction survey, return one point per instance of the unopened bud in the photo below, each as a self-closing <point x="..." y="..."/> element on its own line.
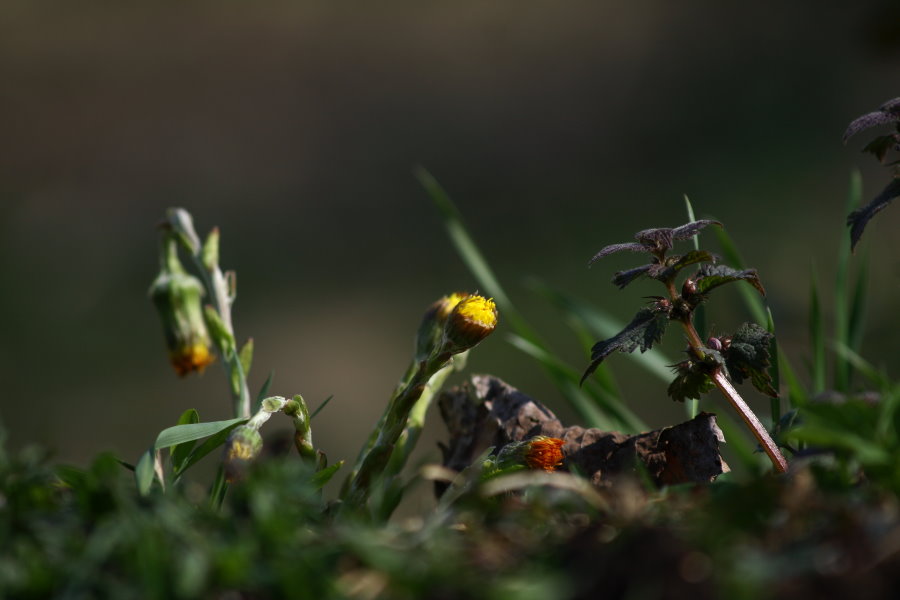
<point x="470" y="321"/>
<point x="177" y="297"/>
<point x="431" y="330"/>
<point x="243" y="445"/>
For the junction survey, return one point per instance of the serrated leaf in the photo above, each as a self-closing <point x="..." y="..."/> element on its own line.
<point x="623" y="278"/>
<point x="185" y="433"/>
<point x="691" y="258"/>
<point x="858" y="219"/>
<point x="748" y="357"/>
<point x="644" y="330"/>
<point x="613" y="248"/>
<point x="710" y="277"/>
<point x="320" y="478"/>
<point x="881" y="145"/>
<point x="689" y="230"/>
<point x="869" y="120"/>
<point x="246" y="356"/>
<point x="690" y="381"/>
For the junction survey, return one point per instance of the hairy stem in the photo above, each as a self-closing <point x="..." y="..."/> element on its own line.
<point x="725" y="386"/>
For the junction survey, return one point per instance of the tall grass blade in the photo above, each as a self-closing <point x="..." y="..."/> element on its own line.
<point x="754" y="303"/>
<point x="842" y="367"/>
<point x="816" y="336"/>
<point x="774" y="369"/>
<point x="692" y="404"/>
<point x="614" y="415"/>
<point x="602" y="326"/>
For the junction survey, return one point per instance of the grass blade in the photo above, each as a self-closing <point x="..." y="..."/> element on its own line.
<point x="755" y="304"/>
<point x="692" y="404"/>
<point x="185" y="433"/>
<point x="321" y="406"/>
<point x="816" y="336"/>
<point x="774" y="369"/>
<point x="842" y="368"/>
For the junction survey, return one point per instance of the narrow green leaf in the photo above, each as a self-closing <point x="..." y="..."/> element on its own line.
<point x="774" y="369"/>
<point x="602" y="325"/>
<point x="246" y="356"/>
<point x="858" y="307"/>
<point x="841" y="304"/>
<point x="320" y="407"/>
<point x="320" y="478"/>
<point x="796" y="393"/>
<point x="217" y="489"/>
<point x="180" y="451"/>
<point x="612" y="412"/>
<point x="753" y="302"/>
<point x="144" y="472"/>
<point x="816" y="336"/>
<point x="208" y="445"/>
<point x="185" y="433"/>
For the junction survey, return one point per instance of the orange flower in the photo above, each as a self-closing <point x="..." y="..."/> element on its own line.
<point x="544" y="453"/>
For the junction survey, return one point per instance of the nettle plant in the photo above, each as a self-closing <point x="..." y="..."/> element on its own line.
<point x="719" y="361"/>
<point x="884" y="148"/>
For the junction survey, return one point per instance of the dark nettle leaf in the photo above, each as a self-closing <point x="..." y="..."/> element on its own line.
<point x="645" y="329"/>
<point x="613" y="248"/>
<point x="656" y="241"/>
<point x="676" y="263"/>
<point x="867" y="121"/>
<point x="748" y="357"/>
<point x="710" y="277"/>
<point x="623" y="278"/>
<point x="881" y="145"/>
<point x="691" y="381"/>
<point x="858" y="219"/>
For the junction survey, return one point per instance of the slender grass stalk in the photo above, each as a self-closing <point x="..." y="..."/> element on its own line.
<point x="691" y="405"/>
<point x="774" y="370"/>
<point x="816" y="336"/>
<point x="844" y="307"/>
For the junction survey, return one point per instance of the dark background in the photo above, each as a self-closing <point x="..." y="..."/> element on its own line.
<point x="295" y="127"/>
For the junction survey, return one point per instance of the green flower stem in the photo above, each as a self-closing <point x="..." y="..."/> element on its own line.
<point x="220" y="289"/>
<point x="416" y="421"/>
<point x="394" y="423"/>
<point x="299" y="413"/>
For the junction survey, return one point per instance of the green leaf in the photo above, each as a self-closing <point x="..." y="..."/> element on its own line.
<point x="644" y="330"/>
<point x="842" y="369"/>
<point x="208" y="445"/>
<point x="219" y="332"/>
<point x="320" y="478"/>
<point x="246" y="356"/>
<point x="185" y="433"/>
<point x="733" y="258"/>
<point x="180" y="451"/>
<point x="691" y="258"/>
<point x="690" y="382"/>
<point x="144" y="472"/>
<point x="320" y="407"/>
<point x="209" y="255"/>
<point x="816" y="336"/>
<point x="709" y="277"/>
<point x="748" y="357"/>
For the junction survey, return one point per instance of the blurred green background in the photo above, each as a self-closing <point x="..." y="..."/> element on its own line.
<point x="295" y="127"/>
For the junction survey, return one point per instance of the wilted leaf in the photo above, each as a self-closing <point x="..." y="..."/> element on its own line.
<point x="710" y="277"/>
<point x="644" y="330"/>
<point x="858" y="219"/>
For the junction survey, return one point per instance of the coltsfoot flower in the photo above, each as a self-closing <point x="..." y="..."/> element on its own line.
<point x="177" y="297"/>
<point x="544" y="453"/>
<point x="471" y="320"/>
<point x="431" y="330"/>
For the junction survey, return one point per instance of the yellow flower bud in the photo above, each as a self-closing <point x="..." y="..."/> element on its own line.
<point x="431" y="330"/>
<point x="471" y="320"/>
